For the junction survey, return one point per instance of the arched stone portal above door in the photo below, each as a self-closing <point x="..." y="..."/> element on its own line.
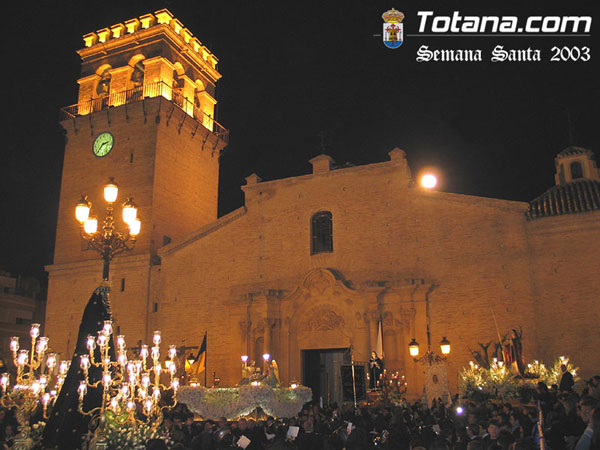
<point x="323" y="313"/>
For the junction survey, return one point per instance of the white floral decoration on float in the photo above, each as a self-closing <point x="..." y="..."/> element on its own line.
<point x="233" y="403"/>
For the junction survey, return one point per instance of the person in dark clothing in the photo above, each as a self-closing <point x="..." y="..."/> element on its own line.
<point x="308" y="440"/>
<point x="280" y="442"/>
<point x="566" y="380"/>
<point x="490" y="441"/>
<point x="204" y="440"/>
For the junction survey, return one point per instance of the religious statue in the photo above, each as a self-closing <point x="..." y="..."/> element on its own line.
<point x="272" y="378"/>
<point x="512" y="351"/>
<point x="250" y="373"/>
<point x="375" y="370"/>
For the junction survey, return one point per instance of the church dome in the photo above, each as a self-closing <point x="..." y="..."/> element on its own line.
<point x="571" y="151"/>
<point x="575" y="197"/>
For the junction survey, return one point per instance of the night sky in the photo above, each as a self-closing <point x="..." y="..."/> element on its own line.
<point x="300" y="76"/>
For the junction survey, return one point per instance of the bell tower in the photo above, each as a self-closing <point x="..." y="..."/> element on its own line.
<point x="145" y="116"/>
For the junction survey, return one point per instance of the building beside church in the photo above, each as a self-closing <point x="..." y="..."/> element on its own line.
<point x="309" y="265"/>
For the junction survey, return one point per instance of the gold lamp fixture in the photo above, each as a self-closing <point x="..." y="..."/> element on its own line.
<point x="36" y="384"/>
<point x="429" y="356"/>
<point x="108" y="242"/>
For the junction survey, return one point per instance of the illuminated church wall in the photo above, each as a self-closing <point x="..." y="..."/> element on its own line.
<point x="252" y="280"/>
<point x="393" y="244"/>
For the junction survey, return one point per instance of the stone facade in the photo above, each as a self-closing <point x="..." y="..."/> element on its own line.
<point x="250" y="279"/>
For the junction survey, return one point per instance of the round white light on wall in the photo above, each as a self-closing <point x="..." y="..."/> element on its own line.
<point x="429" y="181"/>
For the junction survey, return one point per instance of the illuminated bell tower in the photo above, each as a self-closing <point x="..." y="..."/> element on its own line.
<point x="145" y="116"/>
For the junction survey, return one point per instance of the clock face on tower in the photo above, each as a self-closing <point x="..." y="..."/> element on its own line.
<point x="103" y="144"/>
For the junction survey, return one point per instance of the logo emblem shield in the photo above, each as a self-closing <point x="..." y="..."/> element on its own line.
<point x="393" y="29"/>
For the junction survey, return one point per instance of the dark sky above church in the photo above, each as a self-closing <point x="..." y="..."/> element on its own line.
<point x="302" y="76"/>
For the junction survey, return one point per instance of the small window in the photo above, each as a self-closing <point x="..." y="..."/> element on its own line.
<point x="122" y="284"/>
<point x="321" y="230"/>
<point x="576" y="170"/>
<point x="155" y="306"/>
<point x="118" y="329"/>
<point x="166" y="239"/>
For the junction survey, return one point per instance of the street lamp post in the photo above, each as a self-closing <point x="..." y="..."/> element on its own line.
<point x="429" y="356"/>
<point x="108" y="242"/>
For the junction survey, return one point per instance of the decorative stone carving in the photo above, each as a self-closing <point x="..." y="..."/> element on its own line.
<point x="318" y="281"/>
<point x="323" y="319"/>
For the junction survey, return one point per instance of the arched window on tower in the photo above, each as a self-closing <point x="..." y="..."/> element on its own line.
<point x="576" y="170"/>
<point x="321" y="230"/>
<point x="102" y="90"/>
<point x="178" y="85"/>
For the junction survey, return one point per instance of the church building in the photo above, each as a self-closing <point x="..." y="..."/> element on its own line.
<point x="310" y="268"/>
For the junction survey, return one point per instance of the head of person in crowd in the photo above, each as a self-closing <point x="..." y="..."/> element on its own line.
<point x="586" y="408"/>
<point x="473" y="430"/>
<point x="493" y="429"/>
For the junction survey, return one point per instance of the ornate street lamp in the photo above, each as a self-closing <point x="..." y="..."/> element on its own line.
<point x="429" y="356"/>
<point x="108" y="242"/>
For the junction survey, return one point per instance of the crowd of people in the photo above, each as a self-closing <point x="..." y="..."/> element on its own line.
<point x="570" y="421"/>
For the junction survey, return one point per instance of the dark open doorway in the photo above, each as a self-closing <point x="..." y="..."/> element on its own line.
<point x="321" y="371"/>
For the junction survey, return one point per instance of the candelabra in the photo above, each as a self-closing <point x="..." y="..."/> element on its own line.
<point x="33" y="388"/>
<point x="131" y="389"/>
<point x="108" y="242"/>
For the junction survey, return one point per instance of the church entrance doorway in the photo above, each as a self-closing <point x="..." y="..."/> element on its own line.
<point x="322" y="372"/>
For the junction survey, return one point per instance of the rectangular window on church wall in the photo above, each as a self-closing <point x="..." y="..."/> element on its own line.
<point x="321" y="233"/>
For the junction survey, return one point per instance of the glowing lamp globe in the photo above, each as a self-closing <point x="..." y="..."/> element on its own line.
<point x="111" y="190"/>
<point x="82" y="210"/>
<point x="245" y="358"/>
<point x="266" y="356"/>
<point x="429" y="181"/>
<point x="413" y="348"/>
<point x="129" y="211"/>
<point x="445" y="346"/>
<point x="90" y="226"/>
<point x="134" y="227"/>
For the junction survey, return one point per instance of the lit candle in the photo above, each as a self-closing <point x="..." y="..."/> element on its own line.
<point x="14" y="344"/>
<point x="106" y="380"/>
<point x="22" y="358"/>
<point x="42" y="345"/>
<point x="4" y="381"/>
<point x="51" y="361"/>
<point x="35" y="330"/>
<point x="82" y="390"/>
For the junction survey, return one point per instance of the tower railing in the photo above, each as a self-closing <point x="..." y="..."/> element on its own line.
<point x="136" y="94"/>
